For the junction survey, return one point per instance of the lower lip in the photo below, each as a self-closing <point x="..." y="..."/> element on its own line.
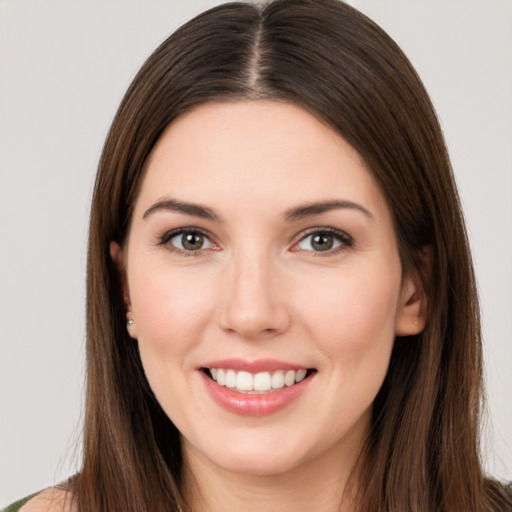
<point x="246" y="404"/>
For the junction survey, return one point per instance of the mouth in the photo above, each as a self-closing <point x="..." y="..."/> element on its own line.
<point x="257" y="383"/>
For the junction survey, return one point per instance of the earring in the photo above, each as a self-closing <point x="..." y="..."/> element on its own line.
<point x="130" y="324"/>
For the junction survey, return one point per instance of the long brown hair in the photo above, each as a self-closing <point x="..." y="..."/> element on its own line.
<point x="329" y="59"/>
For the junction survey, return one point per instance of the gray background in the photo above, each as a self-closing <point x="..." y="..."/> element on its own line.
<point x="64" y="65"/>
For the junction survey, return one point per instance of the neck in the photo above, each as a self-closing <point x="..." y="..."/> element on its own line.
<point x="323" y="484"/>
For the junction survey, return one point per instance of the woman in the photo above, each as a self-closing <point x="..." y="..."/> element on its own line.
<point x="281" y="305"/>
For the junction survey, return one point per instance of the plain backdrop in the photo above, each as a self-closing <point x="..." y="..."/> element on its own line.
<point x="64" y="65"/>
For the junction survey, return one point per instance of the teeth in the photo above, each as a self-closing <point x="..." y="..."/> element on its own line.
<point x="262" y="381"/>
<point x="231" y="378"/>
<point x="301" y="375"/>
<point x="277" y="379"/>
<point x="246" y="382"/>
<point x="221" y="377"/>
<point x="289" y="378"/>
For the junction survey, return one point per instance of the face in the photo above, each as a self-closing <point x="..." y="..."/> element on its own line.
<point x="265" y="287"/>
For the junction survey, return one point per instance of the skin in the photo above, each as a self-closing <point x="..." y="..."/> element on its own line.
<point x="259" y="289"/>
<point x="50" y="500"/>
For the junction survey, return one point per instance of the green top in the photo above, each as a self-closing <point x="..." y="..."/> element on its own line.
<point x="14" y="507"/>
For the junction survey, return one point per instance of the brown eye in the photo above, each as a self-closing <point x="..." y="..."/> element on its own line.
<point x="324" y="241"/>
<point x="190" y="241"/>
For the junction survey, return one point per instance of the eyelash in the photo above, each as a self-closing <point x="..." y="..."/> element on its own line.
<point x="343" y="238"/>
<point x="167" y="237"/>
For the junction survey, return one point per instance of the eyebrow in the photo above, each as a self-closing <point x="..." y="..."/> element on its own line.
<point x="296" y="213"/>
<point x="173" y="205"/>
<point x="318" y="208"/>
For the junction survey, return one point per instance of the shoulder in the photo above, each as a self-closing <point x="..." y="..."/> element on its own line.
<point x="53" y="499"/>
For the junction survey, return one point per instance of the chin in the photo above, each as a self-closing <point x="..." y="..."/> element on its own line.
<point x="249" y="453"/>
<point x="261" y="465"/>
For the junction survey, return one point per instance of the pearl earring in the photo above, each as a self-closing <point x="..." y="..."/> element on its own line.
<point x="129" y="327"/>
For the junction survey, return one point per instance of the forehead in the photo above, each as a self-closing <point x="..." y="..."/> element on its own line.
<point x="258" y="150"/>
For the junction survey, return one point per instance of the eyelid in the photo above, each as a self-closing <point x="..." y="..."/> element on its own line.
<point x="164" y="240"/>
<point x="344" y="238"/>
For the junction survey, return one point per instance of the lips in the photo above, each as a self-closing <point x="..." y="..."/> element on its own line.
<point x="255" y="388"/>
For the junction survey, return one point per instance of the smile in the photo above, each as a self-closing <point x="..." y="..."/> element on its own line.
<point x="255" y="388"/>
<point x="255" y="383"/>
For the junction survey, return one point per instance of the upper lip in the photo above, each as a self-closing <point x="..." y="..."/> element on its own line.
<point x="259" y="365"/>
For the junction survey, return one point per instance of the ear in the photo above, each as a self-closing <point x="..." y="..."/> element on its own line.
<point x="116" y="253"/>
<point x="411" y="315"/>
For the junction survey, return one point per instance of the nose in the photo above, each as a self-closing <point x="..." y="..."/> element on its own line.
<point x="253" y="302"/>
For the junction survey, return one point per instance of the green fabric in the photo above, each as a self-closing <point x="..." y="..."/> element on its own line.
<point x="14" y="507"/>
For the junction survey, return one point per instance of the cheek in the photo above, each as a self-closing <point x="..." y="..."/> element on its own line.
<point x="353" y="325"/>
<point x="353" y="318"/>
<point x="170" y="307"/>
<point x="353" y="300"/>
